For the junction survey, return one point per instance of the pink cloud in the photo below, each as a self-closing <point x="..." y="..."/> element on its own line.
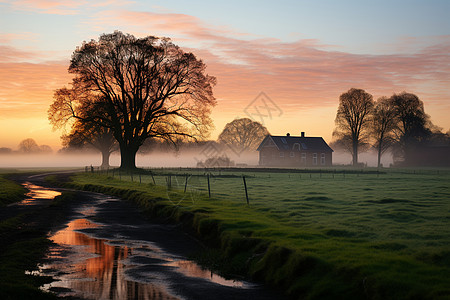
<point x="26" y="89"/>
<point x="62" y="7"/>
<point x="9" y="54"/>
<point x="303" y="73"/>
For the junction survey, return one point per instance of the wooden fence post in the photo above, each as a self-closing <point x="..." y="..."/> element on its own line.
<point x="153" y="178"/>
<point x="245" y="187"/>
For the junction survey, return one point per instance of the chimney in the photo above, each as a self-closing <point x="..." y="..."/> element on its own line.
<point x="288" y="134"/>
<point x="303" y="134"/>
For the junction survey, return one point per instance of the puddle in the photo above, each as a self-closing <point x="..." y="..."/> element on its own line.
<point x="192" y="269"/>
<point x="38" y="193"/>
<point x="92" y="269"/>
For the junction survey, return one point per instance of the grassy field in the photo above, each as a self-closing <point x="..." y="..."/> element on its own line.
<point x="319" y="233"/>
<point x="9" y="191"/>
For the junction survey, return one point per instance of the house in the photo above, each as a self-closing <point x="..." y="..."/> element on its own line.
<point x="294" y="151"/>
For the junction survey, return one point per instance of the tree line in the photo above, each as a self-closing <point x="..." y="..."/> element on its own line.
<point x="28" y="146"/>
<point x="398" y="123"/>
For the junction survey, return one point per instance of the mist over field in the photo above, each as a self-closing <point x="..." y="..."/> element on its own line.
<point x="367" y="158"/>
<point x="157" y="159"/>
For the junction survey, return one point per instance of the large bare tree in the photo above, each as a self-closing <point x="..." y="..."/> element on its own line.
<point x="149" y="86"/>
<point x="353" y="119"/>
<point x="383" y="125"/>
<point x="243" y="135"/>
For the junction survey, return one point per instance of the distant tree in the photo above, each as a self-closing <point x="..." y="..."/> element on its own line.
<point x="243" y="135"/>
<point x="383" y="125"/>
<point x="344" y="143"/>
<point x="100" y="138"/>
<point x="29" y="146"/>
<point x="150" y="89"/>
<point x="5" y="150"/>
<point x="216" y="162"/>
<point x="353" y="120"/>
<point x="45" y="149"/>
<point x="412" y="124"/>
<point x="86" y="128"/>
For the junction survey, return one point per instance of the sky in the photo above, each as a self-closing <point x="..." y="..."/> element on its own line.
<point x="282" y="63"/>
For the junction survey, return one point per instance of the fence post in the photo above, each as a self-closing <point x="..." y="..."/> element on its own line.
<point x="153" y="178"/>
<point x="169" y="182"/>
<point x="140" y="181"/>
<point x="245" y="187"/>
<point x="185" y="183"/>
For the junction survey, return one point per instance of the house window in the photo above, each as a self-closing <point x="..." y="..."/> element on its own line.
<point x="296" y="145"/>
<point x="303" y="158"/>
<point x="281" y="154"/>
<point x="315" y="159"/>
<point x="322" y="158"/>
<point x="292" y="154"/>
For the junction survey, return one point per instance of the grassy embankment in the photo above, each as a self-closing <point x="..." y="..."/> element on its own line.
<point x="318" y="236"/>
<point x="10" y="191"/>
<point x="23" y="243"/>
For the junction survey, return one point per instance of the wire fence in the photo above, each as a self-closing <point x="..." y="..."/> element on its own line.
<point x="248" y="183"/>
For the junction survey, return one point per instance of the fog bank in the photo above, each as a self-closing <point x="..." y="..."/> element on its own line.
<point x="157" y="159"/>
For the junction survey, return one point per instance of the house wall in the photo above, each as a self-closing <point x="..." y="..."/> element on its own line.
<point x="270" y="156"/>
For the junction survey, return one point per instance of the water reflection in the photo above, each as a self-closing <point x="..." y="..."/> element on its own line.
<point x="94" y="269"/>
<point x="119" y="267"/>
<point x="192" y="269"/>
<point x="38" y="193"/>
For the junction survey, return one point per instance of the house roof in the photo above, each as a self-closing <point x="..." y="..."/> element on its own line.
<point x="306" y="143"/>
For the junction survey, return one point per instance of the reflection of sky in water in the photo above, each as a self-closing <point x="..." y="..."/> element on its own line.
<point x="97" y="269"/>
<point x="191" y="269"/>
<point x="92" y="268"/>
<point x="38" y="192"/>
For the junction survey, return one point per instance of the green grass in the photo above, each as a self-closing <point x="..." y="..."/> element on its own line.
<point x="316" y="235"/>
<point x="10" y="191"/>
<point x="23" y="244"/>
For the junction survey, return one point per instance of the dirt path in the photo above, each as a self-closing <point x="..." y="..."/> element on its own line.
<point x="108" y="250"/>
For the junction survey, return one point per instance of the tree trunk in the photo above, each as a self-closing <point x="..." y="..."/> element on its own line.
<point x="105" y="158"/>
<point x="379" y="154"/>
<point x="128" y="157"/>
<point x="355" y="154"/>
